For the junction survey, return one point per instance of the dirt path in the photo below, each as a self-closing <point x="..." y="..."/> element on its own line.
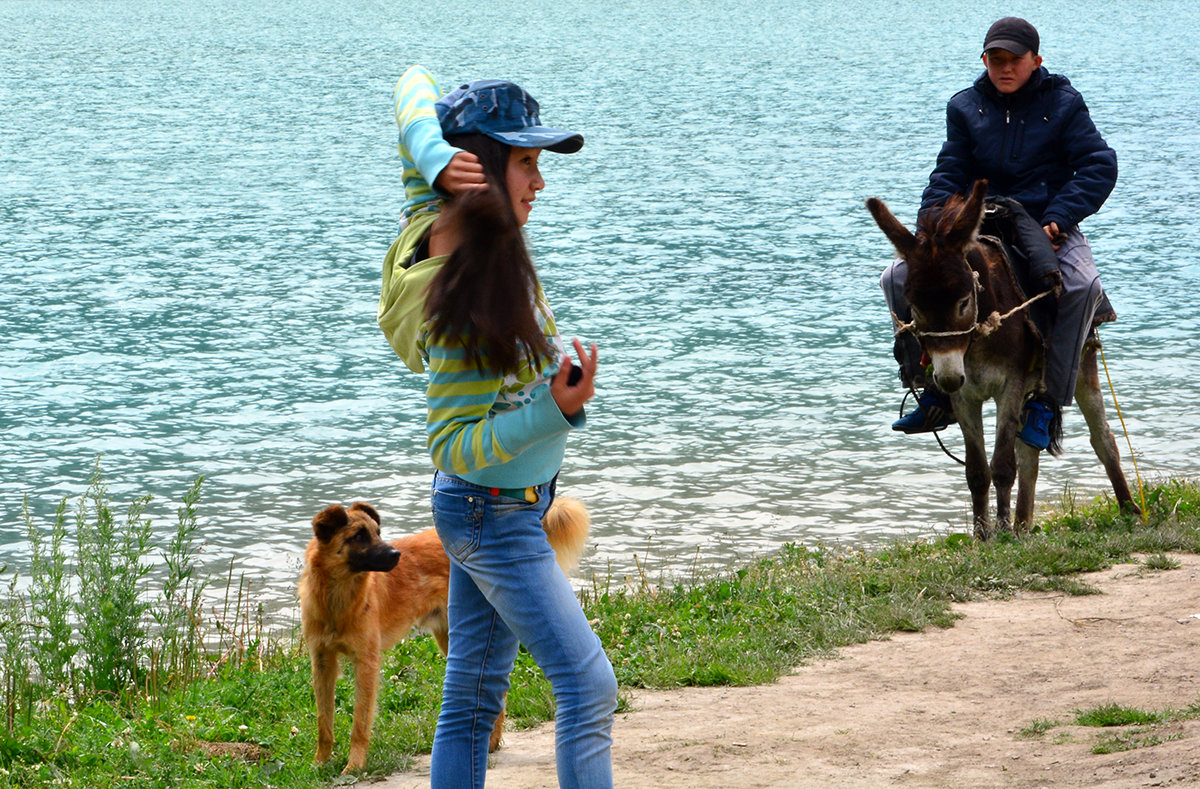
<point x="935" y="709"/>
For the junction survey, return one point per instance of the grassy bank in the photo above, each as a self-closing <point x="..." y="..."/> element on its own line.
<point x="118" y="688"/>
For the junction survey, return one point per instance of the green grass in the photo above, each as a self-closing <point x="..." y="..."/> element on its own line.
<point x="1160" y="561"/>
<point x="1038" y="728"/>
<point x="1142" y="728"/>
<point x="212" y="701"/>
<point x="1131" y="741"/>
<point x="1116" y="715"/>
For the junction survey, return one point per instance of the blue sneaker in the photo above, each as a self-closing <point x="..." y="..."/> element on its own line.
<point x="1035" y="427"/>
<point x="933" y="412"/>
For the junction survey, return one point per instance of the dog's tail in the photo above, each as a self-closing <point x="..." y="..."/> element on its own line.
<point x="566" y="524"/>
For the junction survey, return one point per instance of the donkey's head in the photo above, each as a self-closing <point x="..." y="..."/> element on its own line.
<point x="940" y="286"/>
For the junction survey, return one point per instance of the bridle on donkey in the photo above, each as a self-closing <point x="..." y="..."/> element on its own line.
<point x="976" y="329"/>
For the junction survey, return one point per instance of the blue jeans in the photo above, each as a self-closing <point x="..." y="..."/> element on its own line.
<point x="505" y="589"/>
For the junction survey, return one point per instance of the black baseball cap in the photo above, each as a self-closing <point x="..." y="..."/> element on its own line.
<point x="1012" y="34"/>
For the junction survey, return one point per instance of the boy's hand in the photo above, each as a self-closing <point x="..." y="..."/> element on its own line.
<point x="570" y="397"/>
<point x="1056" y="236"/>
<point x="464" y="173"/>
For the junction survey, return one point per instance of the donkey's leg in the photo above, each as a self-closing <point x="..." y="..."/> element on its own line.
<point x="1091" y="403"/>
<point x="1004" y="458"/>
<point x="1027" y="474"/>
<point x="979" y="477"/>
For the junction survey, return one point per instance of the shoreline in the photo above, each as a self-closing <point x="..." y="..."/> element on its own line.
<point x="937" y="708"/>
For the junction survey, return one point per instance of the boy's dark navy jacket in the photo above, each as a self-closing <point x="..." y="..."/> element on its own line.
<point x="1037" y="146"/>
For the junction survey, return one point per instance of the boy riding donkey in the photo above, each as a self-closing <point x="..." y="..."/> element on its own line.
<point x="1029" y="133"/>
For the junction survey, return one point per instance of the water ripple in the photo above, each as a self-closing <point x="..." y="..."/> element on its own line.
<point x="197" y="199"/>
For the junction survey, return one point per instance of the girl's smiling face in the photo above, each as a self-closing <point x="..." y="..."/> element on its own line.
<point x="524" y="180"/>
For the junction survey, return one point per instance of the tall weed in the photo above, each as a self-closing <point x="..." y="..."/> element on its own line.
<point x="16" y="667"/>
<point x="179" y="612"/>
<point x="53" y="641"/>
<point x="110" y="610"/>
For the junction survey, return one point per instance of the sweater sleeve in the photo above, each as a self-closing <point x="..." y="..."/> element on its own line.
<point x="463" y="436"/>
<point x="1094" y="168"/>
<point x="423" y="151"/>
<point x="954" y="170"/>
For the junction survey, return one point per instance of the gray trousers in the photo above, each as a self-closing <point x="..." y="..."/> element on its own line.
<point x="1073" y="320"/>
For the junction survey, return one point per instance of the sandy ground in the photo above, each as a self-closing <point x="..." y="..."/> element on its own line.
<point x="941" y="708"/>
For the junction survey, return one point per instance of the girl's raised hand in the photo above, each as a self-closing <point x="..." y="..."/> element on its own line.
<point x="569" y="396"/>
<point x="464" y="173"/>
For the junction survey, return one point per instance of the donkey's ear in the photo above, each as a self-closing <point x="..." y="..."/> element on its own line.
<point x="900" y="236"/>
<point x="328" y="521"/>
<point x="966" y="224"/>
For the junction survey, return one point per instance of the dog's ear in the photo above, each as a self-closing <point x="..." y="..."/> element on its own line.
<point x="328" y="521"/>
<point x="362" y="506"/>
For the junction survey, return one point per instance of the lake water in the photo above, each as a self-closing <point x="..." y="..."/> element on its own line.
<point x="195" y="200"/>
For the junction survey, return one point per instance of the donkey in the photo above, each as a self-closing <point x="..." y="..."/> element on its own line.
<point x="970" y="317"/>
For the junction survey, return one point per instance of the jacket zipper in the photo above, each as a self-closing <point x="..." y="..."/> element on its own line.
<point x="1009" y="134"/>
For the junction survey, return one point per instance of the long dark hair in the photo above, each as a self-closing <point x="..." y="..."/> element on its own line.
<point x="483" y="295"/>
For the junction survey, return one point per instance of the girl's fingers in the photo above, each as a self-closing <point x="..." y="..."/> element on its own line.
<point x="586" y="360"/>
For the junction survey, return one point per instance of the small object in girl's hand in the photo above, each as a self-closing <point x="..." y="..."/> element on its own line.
<point x="575" y="374"/>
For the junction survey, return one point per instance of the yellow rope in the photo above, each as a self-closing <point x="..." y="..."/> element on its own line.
<point x="1132" y="456"/>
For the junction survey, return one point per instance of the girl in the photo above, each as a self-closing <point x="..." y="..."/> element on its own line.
<point x="461" y="297"/>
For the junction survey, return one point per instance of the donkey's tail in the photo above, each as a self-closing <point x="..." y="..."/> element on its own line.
<point x="1055" y="429"/>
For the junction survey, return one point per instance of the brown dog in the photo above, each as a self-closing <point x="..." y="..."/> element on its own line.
<point x="359" y="596"/>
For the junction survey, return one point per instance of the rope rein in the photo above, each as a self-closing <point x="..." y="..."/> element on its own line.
<point x="1128" y="442"/>
<point x="984" y="329"/>
<point x="942" y="444"/>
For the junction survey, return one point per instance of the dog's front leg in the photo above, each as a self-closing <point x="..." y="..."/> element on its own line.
<point x="366" y="682"/>
<point x="324" y="678"/>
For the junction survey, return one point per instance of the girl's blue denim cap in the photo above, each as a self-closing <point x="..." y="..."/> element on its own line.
<point x="504" y="112"/>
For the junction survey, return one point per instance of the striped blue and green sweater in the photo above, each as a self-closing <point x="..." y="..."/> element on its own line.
<point x="502" y="431"/>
